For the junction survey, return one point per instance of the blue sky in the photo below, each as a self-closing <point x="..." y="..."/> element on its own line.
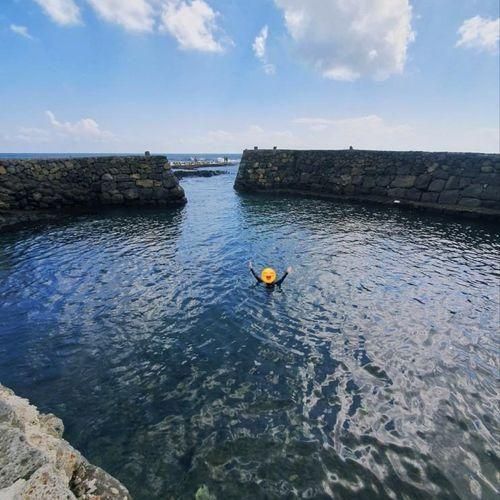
<point x="222" y="75"/>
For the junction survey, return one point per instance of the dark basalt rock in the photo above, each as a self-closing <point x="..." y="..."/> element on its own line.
<point x="180" y="174"/>
<point x="463" y="183"/>
<point x="30" y="188"/>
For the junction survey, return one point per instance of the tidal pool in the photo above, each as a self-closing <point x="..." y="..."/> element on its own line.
<point x="373" y="373"/>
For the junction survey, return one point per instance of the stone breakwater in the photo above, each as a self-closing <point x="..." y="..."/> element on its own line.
<point x="466" y="183"/>
<point x="61" y="184"/>
<point x="36" y="463"/>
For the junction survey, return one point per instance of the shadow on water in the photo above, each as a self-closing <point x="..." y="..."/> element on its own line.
<point x="372" y="373"/>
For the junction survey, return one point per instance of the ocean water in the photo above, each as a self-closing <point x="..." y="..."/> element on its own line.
<point x="171" y="156"/>
<point x="372" y="373"/>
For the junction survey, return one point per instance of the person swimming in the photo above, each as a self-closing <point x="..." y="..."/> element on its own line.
<point x="268" y="276"/>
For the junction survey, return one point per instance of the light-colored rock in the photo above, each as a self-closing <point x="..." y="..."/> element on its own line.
<point x="404" y="181"/>
<point x="37" y="464"/>
<point x="18" y="458"/>
<point x="145" y="183"/>
<point x="47" y="482"/>
<point x="13" y="491"/>
<point x="91" y="482"/>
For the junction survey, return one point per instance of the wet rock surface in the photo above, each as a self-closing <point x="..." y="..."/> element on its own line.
<point x="180" y="174"/>
<point x="464" y="183"/>
<point x="37" y="463"/>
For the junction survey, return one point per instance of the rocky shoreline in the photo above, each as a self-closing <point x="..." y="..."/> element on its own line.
<point x="37" y="463"/>
<point x="181" y="174"/>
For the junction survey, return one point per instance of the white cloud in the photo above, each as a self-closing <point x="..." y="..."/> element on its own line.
<point x="21" y="31"/>
<point x="238" y="139"/>
<point x="259" y="45"/>
<point x="346" y="40"/>
<point x="480" y="33"/>
<point x="316" y="132"/>
<point x="64" y="12"/>
<point x="193" y="24"/>
<point x="269" y="69"/>
<point x="86" y="128"/>
<point x="260" y="50"/>
<point x="364" y="132"/>
<point x="83" y="135"/>
<point x="133" y="15"/>
<point x="317" y="124"/>
<point x="29" y="135"/>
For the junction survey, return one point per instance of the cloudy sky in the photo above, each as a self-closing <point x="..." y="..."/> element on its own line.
<point x="222" y="75"/>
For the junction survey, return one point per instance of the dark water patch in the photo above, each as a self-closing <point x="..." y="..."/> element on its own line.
<point x="372" y="373"/>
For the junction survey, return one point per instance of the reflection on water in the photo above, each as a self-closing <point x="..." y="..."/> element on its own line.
<point x="372" y="373"/>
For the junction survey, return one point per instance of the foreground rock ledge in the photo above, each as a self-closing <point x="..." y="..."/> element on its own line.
<point x="36" y="463"/>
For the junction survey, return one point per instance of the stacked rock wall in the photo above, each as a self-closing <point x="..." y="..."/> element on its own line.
<point x="457" y="182"/>
<point x="87" y="182"/>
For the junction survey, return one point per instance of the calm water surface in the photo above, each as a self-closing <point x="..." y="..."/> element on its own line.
<point x="372" y="374"/>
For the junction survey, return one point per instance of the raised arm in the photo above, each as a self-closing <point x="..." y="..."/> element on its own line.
<point x="255" y="275"/>
<point x="287" y="272"/>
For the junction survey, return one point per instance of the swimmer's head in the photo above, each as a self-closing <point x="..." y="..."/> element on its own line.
<point x="268" y="276"/>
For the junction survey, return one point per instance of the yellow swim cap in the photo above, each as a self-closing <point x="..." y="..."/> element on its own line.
<point x="268" y="275"/>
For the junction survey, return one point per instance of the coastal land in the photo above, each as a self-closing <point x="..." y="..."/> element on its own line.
<point x="36" y="462"/>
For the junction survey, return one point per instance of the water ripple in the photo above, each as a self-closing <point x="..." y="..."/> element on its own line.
<point x="372" y="373"/>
